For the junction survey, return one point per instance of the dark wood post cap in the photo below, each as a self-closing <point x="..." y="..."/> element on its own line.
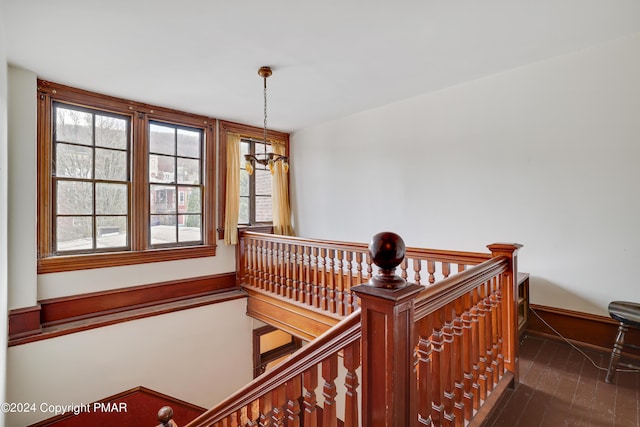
<point x="387" y="251"/>
<point x="165" y="416"/>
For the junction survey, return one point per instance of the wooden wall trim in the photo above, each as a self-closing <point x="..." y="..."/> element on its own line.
<point x="583" y="329"/>
<point x="58" y="316"/>
<point x="24" y="321"/>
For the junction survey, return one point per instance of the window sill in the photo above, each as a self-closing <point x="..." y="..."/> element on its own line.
<point x="57" y="264"/>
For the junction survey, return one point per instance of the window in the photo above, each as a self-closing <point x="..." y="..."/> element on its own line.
<point x="255" y="189"/>
<point x="121" y="182"/>
<point x="91" y="180"/>
<point x="174" y="171"/>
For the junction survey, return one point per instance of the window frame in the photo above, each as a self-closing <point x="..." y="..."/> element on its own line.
<point x="253" y="195"/>
<point x="140" y="114"/>
<point x="246" y="132"/>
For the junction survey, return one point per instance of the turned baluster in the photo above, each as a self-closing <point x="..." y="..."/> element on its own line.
<point x="437" y="346"/>
<point x="279" y="401"/>
<point x="417" y="266"/>
<point x="482" y="346"/>
<point x="272" y="285"/>
<point x="425" y="372"/>
<point x="253" y="262"/>
<point x="466" y="358"/>
<point x="295" y="280"/>
<point x="369" y="267"/>
<point x="446" y="366"/>
<point x="329" y="374"/>
<point x="287" y="272"/>
<point x="262" y="266"/>
<point x="265" y="409"/>
<point x="351" y="364"/>
<point x="165" y="417"/>
<point x="501" y="313"/>
<point x="488" y="335"/>
<point x="323" y="279"/>
<point x="348" y="300"/>
<point x="339" y="284"/>
<point x="301" y="281"/>
<point x="458" y="364"/>
<point x="315" y="291"/>
<point x="252" y="413"/>
<point x="308" y="293"/>
<point x="294" y="393"/>
<point x="446" y="269"/>
<point x="431" y="269"/>
<point x="403" y="269"/>
<point x="359" y="278"/>
<point x="331" y="281"/>
<point x="310" y="380"/>
<point x="475" y="349"/>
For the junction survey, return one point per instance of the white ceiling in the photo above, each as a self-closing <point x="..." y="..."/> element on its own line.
<point x="330" y="58"/>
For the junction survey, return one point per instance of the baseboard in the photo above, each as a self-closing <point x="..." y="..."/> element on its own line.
<point x="58" y="316"/>
<point x="584" y="329"/>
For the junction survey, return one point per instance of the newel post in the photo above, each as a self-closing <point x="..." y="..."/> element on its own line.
<point x="387" y="307"/>
<point x="510" y="298"/>
<point x="165" y="417"/>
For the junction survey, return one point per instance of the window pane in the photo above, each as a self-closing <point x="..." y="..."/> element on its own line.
<point x="189" y="143"/>
<point x="111" y="199"/>
<point x="162" y="139"/>
<point x="263" y="182"/>
<point x="188" y="171"/>
<point x="189" y="230"/>
<point x="243" y="215"/>
<point x="189" y="200"/>
<point x="74" y="233"/>
<point x="111" y="132"/>
<point x="74" y="126"/>
<point x="74" y="198"/>
<point x="73" y="161"/>
<point x="163" y="199"/>
<point x="161" y="168"/>
<point x="112" y="231"/>
<point x="163" y="229"/>
<point x="263" y="209"/>
<point x="111" y="165"/>
<point x="244" y="149"/>
<point x="244" y="183"/>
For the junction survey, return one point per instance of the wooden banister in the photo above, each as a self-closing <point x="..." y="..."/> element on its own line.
<point x="346" y="333"/>
<point x="432" y="355"/>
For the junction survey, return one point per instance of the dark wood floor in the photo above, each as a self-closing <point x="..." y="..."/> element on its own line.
<point x="560" y="387"/>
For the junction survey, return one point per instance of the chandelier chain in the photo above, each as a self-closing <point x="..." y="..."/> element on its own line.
<point x="265" y="115"/>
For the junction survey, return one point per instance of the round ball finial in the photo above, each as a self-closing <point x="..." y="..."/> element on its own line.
<point x="165" y="414"/>
<point x="387" y="251"/>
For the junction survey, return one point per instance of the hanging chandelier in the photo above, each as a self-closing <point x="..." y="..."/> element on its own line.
<point x="265" y="159"/>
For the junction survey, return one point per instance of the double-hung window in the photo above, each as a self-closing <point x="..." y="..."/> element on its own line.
<point x="255" y="189"/>
<point x="121" y="182"/>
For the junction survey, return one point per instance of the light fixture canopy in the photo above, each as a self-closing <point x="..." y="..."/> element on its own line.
<point x="265" y="159"/>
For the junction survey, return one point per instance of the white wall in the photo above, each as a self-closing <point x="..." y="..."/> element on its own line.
<point x="166" y="353"/>
<point x="22" y="188"/>
<point x="3" y="212"/>
<point x="25" y="286"/>
<point x="199" y="355"/>
<point x="545" y="155"/>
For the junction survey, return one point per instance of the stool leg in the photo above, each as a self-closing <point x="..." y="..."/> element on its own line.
<point x="615" y="353"/>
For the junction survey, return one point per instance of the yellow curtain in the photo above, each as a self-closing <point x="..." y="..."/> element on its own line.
<point x="280" y="196"/>
<point x="232" y="201"/>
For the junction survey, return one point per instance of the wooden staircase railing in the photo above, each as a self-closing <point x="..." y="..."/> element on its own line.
<point x="435" y="356"/>
<point x="314" y="278"/>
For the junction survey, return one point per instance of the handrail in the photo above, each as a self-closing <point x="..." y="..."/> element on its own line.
<point x="411" y="252"/>
<point x="332" y="341"/>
